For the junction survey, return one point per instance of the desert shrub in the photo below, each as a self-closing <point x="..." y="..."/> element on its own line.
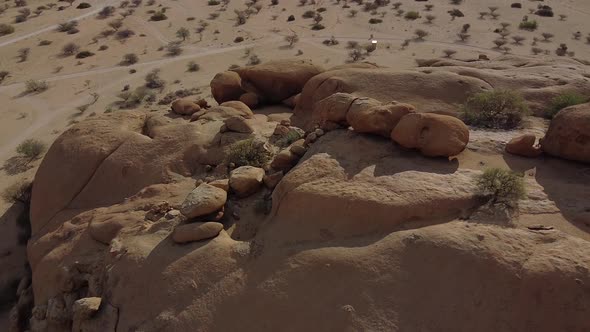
<point x="67" y="26"/>
<point x="412" y="15"/>
<point x="528" y="25"/>
<point x="3" y="75"/>
<point x="106" y="12"/>
<point x="73" y="31"/>
<point x="375" y="20"/>
<point x="564" y="100"/>
<point x="84" y="54"/>
<point x="173" y="48"/>
<point x="19" y="191"/>
<point x="129" y="59"/>
<point x="247" y="153"/>
<point x="6" y="29"/>
<point x="45" y="42"/>
<point x="213" y="2"/>
<point x="499" y="109"/>
<point x="124" y="34"/>
<point x="84" y="5"/>
<point x="31" y="148"/>
<point x="192" y="66"/>
<point x="103" y="47"/>
<point x="69" y="49"/>
<point x="308" y="14"/>
<point x="238" y="39"/>
<point x="158" y="16"/>
<point x="504" y="186"/>
<point x="33" y="86"/>
<point x="153" y="80"/>
<point x="130" y="99"/>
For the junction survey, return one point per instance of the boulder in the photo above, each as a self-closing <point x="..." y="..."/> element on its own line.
<point x="568" y="135"/>
<point x="185" y="107"/>
<point x="333" y="109"/>
<point x="246" y="180"/>
<point x="524" y="146"/>
<point x="84" y="309"/>
<point x="250" y="99"/>
<point x="239" y="106"/>
<point x="434" y="135"/>
<point x="272" y="180"/>
<point x="277" y="80"/>
<point x="223" y="112"/>
<point x="298" y="147"/>
<point x="226" y="86"/>
<point x="238" y="124"/>
<point x="203" y="200"/>
<point x="284" y="160"/>
<point x="221" y="183"/>
<point x="196" y="231"/>
<point x="366" y="117"/>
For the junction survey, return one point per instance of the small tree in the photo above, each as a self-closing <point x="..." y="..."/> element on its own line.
<point x="183" y="33"/>
<point x="153" y="80"/>
<point x="430" y="18"/>
<point x="17" y="192"/>
<point x="420" y="34"/>
<point x="449" y="53"/>
<point x="547" y="36"/>
<point x="518" y="39"/>
<point x="463" y="36"/>
<point x="292" y="39"/>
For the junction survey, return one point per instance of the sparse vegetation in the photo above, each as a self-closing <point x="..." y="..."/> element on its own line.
<point x="69" y="49"/>
<point x="502" y="186"/>
<point x="19" y="191"/>
<point x="248" y="153"/>
<point x="6" y="29"/>
<point x="564" y="100"/>
<point x="193" y="66"/>
<point x="498" y="109"/>
<point x="153" y="80"/>
<point x="31" y="148"/>
<point x="34" y="86"/>
<point x="528" y="25"/>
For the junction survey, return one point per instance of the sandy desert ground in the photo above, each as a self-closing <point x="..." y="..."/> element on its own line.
<point x="93" y="83"/>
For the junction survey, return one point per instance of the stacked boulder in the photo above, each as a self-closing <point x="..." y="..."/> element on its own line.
<point x="434" y="135"/>
<point x="205" y="202"/>
<point x="272" y="82"/>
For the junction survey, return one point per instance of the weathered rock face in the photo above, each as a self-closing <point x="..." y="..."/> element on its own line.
<point x="441" y="85"/>
<point x="185" y="107"/>
<point x="524" y="145"/>
<point x="569" y="134"/>
<point x="226" y="86"/>
<point x="246" y="180"/>
<point x="434" y="135"/>
<point x="196" y="231"/>
<point x="203" y="200"/>
<point x="276" y="81"/>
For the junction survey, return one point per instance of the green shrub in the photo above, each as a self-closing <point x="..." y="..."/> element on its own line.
<point x="502" y="185"/>
<point x="31" y="148"/>
<point x="19" y="191"/>
<point x="131" y="99"/>
<point x="498" y="109"/>
<point x="412" y="15"/>
<point x="528" y="25"/>
<point x="564" y="100"/>
<point x="247" y="153"/>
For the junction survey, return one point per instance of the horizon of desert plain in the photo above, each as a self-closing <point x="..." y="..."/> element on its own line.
<point x="295" y="165"/>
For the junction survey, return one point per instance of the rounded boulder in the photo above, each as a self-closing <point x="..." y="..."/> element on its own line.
<point x="568" y="136"/>
<point x="434" y="135"/>
<point x="204" y="199"/>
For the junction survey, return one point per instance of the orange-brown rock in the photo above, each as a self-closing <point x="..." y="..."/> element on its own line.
<point x="434" y="135"/>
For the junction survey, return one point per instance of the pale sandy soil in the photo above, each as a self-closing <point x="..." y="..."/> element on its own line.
<point x="45" y="115"/>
